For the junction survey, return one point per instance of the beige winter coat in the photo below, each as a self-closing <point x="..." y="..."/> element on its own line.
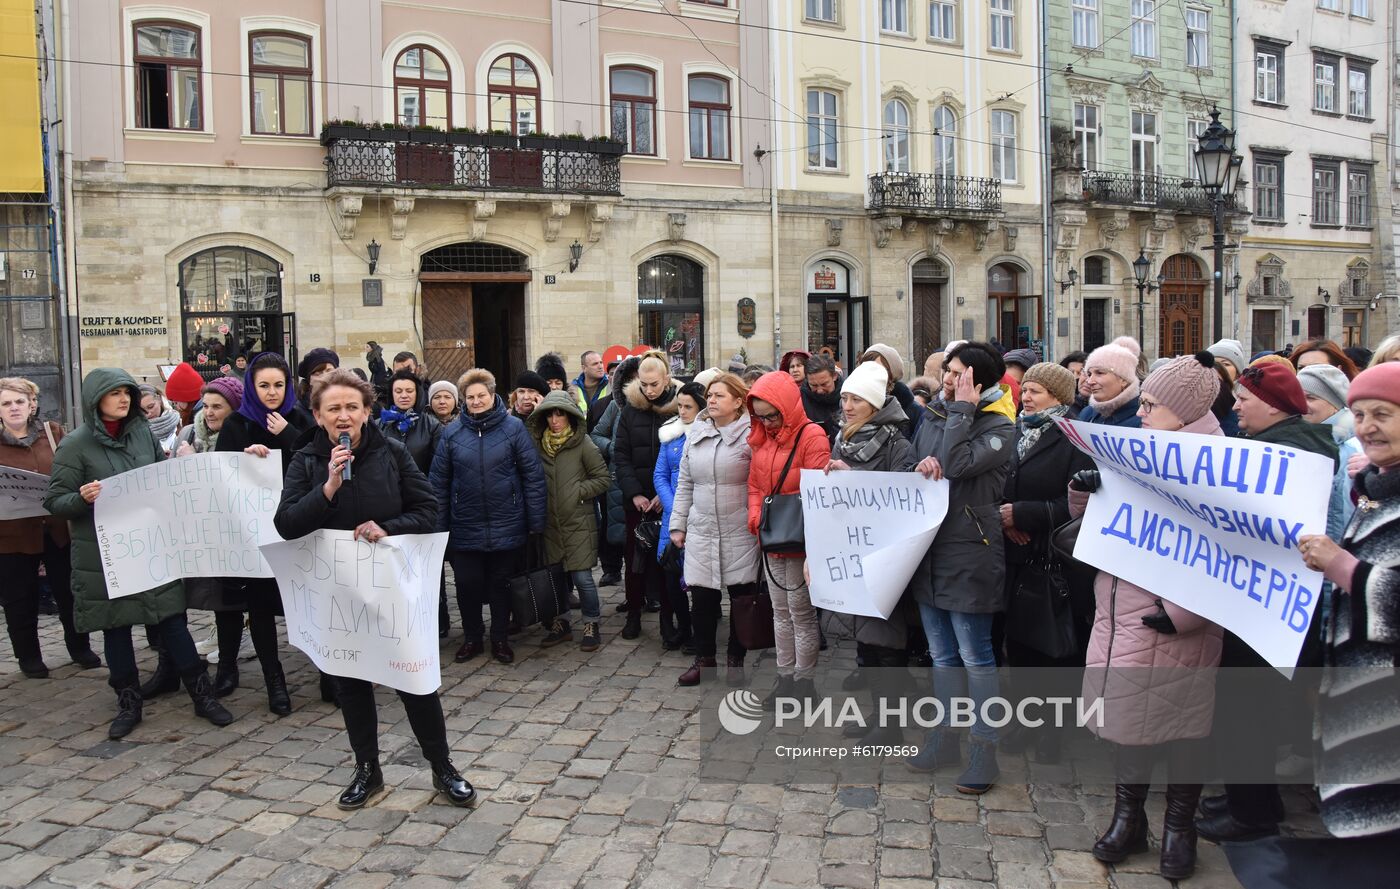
<point x="711" y="506"/>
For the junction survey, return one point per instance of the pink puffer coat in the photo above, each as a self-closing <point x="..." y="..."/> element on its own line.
<point x="1157" y="687"/>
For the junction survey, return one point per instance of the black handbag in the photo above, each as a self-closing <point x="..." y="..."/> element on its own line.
<point x="1064" y="538"/>
<point x="780" y="519"/>
<point x="537" y="594"/>
<point x="673" y="559"/>
<point x="1040" y="615"/>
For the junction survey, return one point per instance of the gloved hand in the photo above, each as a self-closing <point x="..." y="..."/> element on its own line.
<point x="1086" y="480"/>
<point x="1160" y="621"/>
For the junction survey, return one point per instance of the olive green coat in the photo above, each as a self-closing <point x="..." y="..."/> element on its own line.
<point x="574" y="477"/>
<point x="88" y="454"/>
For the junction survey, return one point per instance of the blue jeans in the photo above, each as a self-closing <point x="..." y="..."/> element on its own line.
<point x="587" y="595"/>
<point x="963" y="662"/>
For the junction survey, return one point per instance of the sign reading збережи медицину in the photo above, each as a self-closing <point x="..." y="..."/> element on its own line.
<point x="122" y="325"/>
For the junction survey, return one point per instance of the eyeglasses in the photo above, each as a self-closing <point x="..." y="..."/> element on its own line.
<point x="768" y="419"/>
<point x="1146" y="406"/>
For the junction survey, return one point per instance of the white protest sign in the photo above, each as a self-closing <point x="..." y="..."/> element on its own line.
<point x="866" y="533"/>
<point x="364" y="610"/>
<point x="1211" y="524"/>
<point x="22" y="493"/>
<point x="197" y="516"/>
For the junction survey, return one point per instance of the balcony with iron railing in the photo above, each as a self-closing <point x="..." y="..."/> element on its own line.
<point x="931" y="194"/>
<point x="1148" y="192"/>
<point x="368" y="156"/>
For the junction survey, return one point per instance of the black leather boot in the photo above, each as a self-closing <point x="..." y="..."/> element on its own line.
<point x="1179" y="831"/>
<point x="128" y="712"/>
<point x="278" y="700"/>
<point x="164" y="680"/>
<point x="1127" y="831"/>
<point x="366" y="782"/>
<point x="450" y="783"/>
<point x="201" y="692"/>
<point x="225" y="677"/>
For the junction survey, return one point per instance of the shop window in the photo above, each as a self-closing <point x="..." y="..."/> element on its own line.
<point x="671" y="304"/>
<point x="231" y="305"/>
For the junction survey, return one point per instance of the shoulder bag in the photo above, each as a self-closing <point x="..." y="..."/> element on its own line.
<point x="536" y="594"/>
<point x="780" y="519"/>
<point x="1040" y="615"/>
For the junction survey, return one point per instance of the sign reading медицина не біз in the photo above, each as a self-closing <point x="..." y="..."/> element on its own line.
<point x="1211" y="524"/>
<point x="364" y="610"/>
<point x="197" y="516"/>
<point x="866" y="532"/>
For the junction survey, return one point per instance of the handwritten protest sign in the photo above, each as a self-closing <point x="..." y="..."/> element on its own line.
<point x="1211" y="524"/>
<point x="364" y="610"/>
<point x="22" y="493"/>
<point x="866" y="533"/>
<point x="197" y="516"/>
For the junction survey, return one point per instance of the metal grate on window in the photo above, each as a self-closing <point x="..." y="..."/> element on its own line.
<point x="474" y="258"/>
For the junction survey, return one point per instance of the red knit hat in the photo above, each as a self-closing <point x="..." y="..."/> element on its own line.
<point x="1381" y="381"/>
<point x="1277" y="386"/>
<point x="184" y="384"/>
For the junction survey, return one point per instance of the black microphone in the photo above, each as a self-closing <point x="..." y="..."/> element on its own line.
<point x="345" y="443"/>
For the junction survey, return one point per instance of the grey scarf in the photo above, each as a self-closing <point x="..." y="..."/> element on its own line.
<point x="1034" y="425"/>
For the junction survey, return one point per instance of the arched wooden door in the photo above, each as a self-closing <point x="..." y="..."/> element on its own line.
<point x="1180" y="331"/>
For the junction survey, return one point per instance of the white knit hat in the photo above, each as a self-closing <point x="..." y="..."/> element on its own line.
<point x="1119" y="358"/>
<point x="868" y="382"/>
<point x="443" y="386"/>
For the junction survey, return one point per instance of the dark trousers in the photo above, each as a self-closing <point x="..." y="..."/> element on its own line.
<point x="262" y="627"/>
<point x="482" y="579"/>
<point x="675" y="610"/>
<point x="21" y="598"/>
<point x="704" y="618"/>
<point x="609" y="556"/>
<point x="362" y="720"/>
<point x="172" y="634"/>
<point x="649" y="582"/>
<point x="1253" y="702"/>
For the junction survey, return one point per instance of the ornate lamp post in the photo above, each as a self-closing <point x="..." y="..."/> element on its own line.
<point x="1218" y="168"/>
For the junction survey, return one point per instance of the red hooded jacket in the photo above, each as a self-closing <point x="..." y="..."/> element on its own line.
<point x="770" y="452"/>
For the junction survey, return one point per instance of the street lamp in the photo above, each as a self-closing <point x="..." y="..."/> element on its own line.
<point x="1218" y="168"/>
<point x="373" y="248"/>
<point x="1141" y="267"/>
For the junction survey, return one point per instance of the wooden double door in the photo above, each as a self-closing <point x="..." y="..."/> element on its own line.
<point x="1181" y="311"/>
<point x="474" y="323"/>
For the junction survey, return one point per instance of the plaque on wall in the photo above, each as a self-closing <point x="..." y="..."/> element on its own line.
<point x="372" y="291"/>
<point x="748" y="317"/>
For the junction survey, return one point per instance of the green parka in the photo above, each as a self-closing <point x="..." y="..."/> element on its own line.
<point x="87" y="454"/>
<point x="574" y="477"/>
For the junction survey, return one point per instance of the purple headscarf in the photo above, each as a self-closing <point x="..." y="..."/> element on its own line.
<point x="252" y="406"/>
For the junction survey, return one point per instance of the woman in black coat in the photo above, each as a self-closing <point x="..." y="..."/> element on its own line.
<point x="403" y="422"/>
<point x="386" y="495"/>
<point x="1035" y="504"/>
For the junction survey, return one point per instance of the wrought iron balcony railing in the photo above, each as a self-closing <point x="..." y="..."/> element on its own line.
<point x="1154" y="192"/>
<point x="935" y="194"/>
<point x="528" y="164"/>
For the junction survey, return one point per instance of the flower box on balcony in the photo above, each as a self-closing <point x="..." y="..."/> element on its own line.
<point x="333" y="132"/>
<point x="484" y="140"/>
<point x="576" y="144"/>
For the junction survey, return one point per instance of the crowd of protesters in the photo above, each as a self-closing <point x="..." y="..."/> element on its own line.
<point x="665" y="480"/>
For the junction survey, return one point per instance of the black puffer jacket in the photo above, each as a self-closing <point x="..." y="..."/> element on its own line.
<point x="638" y="439"/>
<point x="239" y="432"/>
<point x="421" y="438"/>
<point x="386" y="487"/>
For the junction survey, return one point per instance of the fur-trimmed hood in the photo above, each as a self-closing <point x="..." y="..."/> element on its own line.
<point x="665" y="406"/>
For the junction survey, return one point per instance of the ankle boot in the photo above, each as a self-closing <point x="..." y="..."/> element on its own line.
<point x="22" y="622"/>
<point x="164" y="680"/>
<point x="201" y="692"/>
<point x="784" y="689"/>
<point x="128" y="712"/>
<point x="80" y="651"/>
<point x="365" y="783"/>
<point x="278" y="700"/>
<point x="225" y="677"/>
<point x="734" y="671"/>
<point x="1179" y="831"/>
<point x="1127" y="831"/>
<point x="450" y="783"/>
<point x="696" y="671"/>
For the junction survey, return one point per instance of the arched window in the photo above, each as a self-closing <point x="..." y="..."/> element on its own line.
<point x="945" y="141"/>
<point x="279" y="71"/>
<point x="231" y="305"/>
<point x="514" y="88"/>
<point x="422" y="88"/>
<point x="709" y="117"/>
<point x="1095" y="270"/>
<point x="671" y="302"/>
<point x="167" y="64"/>
<point x="896" y="136"/>
<point x="633" y="96"/>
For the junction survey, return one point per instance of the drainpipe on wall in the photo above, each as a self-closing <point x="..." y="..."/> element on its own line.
<point x="70" y="345"/>
<point x="773" y="217"/>
<point x="1047" y="234"/>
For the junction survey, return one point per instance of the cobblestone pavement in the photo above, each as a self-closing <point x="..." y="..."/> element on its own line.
<point x="586" y="766"/>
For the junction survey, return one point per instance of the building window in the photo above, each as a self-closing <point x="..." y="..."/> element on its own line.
<point x="167" y="63"/>
<point x="1197" y="38"/>
<point x="1004" y="146"/>
<point x="1195" y="126"/>
<point x="1351" y="328"/>
<point x="1086" y="23"/>
<point x="1330" y="5"/>
<point x="1268" y="188"/>
<point x="1358" y="195"/>
<point x="634" y="108"/>
<point x="422" y="88"/>
<point x="1086" y="135"/>
<point x="945" y="141"/>
<point x="894" y="16"/>
<point x="1264" y="331"/>
<point x="1325" y="83"/>
<point x="822" y="125"/>
<point x="514" y="89"/>
<point x="279" y="71"/>
<point x="1268" y="73"/>
<point x="896" y="136"/>
<point x="821" y="11"/>
<point x="709" y="117"/>
<point x="943" y="20"/>
<point x="1361" y="8"/>
<point x="1003" y="24"/>
<point x="1144" y="139"/>
<point x="1095" y="270"/>
<point x="1324" y="194"/>
<point x="670" y="303"/>
<point x="1358" y="89"/>
<point x="1144" y="28"/>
